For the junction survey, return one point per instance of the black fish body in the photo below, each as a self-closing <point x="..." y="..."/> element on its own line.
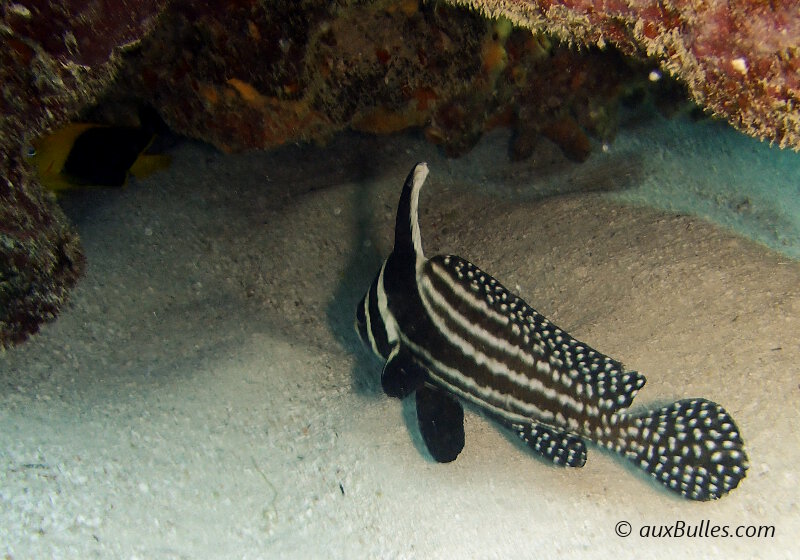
<point x="451" y="333"/>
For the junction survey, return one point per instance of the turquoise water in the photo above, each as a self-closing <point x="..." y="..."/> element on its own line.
<point x="710" y="170"/>
<point x="702" y="168"/>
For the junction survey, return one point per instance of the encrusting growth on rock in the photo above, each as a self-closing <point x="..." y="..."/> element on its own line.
<point x="740" y="60"/>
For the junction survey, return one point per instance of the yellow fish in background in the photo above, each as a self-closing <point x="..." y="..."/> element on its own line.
<point x="86" y="154"/>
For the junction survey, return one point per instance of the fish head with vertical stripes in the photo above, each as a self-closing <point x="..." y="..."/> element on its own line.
<point x="373" y="324"/>
<point x="393" y="288"/>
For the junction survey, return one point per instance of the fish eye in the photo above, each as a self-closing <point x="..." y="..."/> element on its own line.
<point x="30" y="152"/>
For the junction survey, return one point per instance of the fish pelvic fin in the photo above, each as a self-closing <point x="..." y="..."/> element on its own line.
<point x="441" y="423"/>
<point x="692" y="447"/>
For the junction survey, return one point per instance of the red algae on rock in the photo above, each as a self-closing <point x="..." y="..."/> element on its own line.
<point x="740" y="59"/>
<point x="81" y="31"/>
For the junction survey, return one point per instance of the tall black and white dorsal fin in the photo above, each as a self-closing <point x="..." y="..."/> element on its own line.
<point x="502" y="320"/>
<point x="407" y="235"/>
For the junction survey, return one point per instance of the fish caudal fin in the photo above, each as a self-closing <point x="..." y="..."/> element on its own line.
<point x="147" y="164"/>
<point x="692" y="447"/>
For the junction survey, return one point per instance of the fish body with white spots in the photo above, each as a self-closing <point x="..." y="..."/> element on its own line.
<point x="452" y="334"/>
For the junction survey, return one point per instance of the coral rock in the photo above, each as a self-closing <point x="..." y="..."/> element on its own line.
<point x="55" y="58"/>
<point x="303" y="71"/>
<point x="740" y="59"/>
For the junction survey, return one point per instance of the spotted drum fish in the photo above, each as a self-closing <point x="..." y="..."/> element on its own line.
<point x="453" y="334"/>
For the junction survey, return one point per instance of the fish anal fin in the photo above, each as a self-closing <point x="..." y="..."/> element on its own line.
<point x="441" y="423"/>
<point x="402" y="375"/>
<point x="559" y="446"/>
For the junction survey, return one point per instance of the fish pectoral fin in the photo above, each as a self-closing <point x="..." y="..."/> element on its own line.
<point x="402" y="375"/>
<point x="441" y="422"/>
<point x="559" y="446"/>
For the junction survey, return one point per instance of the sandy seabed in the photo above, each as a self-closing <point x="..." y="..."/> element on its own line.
<point x="205" y="395"/>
